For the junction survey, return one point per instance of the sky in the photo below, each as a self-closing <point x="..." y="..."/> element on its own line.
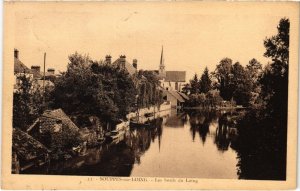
<point x="194" y="35"/>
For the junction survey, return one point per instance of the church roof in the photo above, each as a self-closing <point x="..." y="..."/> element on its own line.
<point x="130" y="69"/>
<point x="175" y="76"/>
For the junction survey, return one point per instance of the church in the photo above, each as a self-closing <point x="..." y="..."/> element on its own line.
<point x="172" y="83"/>
<point x="170" y="80"/>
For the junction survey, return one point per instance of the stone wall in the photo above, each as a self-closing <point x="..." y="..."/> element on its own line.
<point x="152" y="109"/>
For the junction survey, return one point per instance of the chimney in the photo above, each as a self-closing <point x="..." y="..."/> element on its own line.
<point x="122" y="61"/>
<point x="134" y="63"/>
<point x="16" y="53"/>
<point x="36" y="69"/>
<point x="51" y="70"/>
<point x="108" y="59"/>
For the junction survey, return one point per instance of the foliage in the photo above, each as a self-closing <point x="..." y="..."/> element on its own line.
<point x="274" y="80"/>
<point x="22" y="113"/>
<point x="195" y="86"/>
<point x="94" y="88"/>
<point x="224" y="77"/>
<point x="65" y="140"/>
<point x="186" y="89"/>
<point x="263" y="132"/>
<point x="242" y="85"/>
<point x="148" y="91"/>
<point x="205" y="82"/>
<point x="209" y="100"/>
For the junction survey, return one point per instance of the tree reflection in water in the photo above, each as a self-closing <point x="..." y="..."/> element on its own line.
<point x="261" y="147"/>
<point x="254" y="146"/>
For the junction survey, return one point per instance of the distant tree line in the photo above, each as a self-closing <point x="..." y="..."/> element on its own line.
<point x="251" y="85"/>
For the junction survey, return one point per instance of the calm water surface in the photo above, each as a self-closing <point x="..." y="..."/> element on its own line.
<point x="181" y="145"/>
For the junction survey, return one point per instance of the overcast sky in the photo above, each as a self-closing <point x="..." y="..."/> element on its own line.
<point x="194" y="35"/>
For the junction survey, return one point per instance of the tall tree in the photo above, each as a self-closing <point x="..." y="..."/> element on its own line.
<point x="205" y="81"/>
<point x="242" y="85"/>
<point x="254" y="70"/>
<point x="194" y="85"/>
<point x="223" y="74"/>
<point x="274" y="80"/>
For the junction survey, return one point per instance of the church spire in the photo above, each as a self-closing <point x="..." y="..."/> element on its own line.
<point x="162" y="64"/>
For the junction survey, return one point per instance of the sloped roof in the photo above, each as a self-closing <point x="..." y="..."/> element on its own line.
<point x="175" y="76"/>
<point x="26" y="147"/>
<point x="176" y="95"/>
<point x="19" y="67"/>
<point x="183" y="95"/>
<point x="60" y="114"/>
<point x="130" y="69"/>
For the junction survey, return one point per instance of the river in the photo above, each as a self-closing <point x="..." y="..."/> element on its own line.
<point x="183" y="144"/>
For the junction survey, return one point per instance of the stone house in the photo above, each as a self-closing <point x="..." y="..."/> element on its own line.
<point x="49" y="123"/>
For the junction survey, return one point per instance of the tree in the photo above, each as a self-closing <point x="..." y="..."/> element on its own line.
<point x="224" y="76"/>
<point x="22" y="114"/>
<point x="80" y="91"/>
<point x="274" y="80"/>
<point x="242" y="85"/>
<point x="205" y="82"/>
<point x="254" y="70"/>
<point x="194" y="85"/>
<point x="186" y="89"/>
<point x="148" y="91"/>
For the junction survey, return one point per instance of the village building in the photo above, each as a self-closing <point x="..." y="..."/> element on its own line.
<point x="49" y="123"/>
<point x="172" y="83"/>
<point x="123" y="64"/>
<point x="27" y="152"/>
<point x="34" y="74"/>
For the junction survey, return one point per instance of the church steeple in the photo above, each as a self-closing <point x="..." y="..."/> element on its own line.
<point x="162" y="71"/>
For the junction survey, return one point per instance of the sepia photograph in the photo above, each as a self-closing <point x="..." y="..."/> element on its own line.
<point x="173" y="91"/>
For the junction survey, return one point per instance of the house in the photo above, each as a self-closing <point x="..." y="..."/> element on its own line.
<point x="27" y="152"/>
<point x="123" y="64"/>
<point x="49" y="123"/>
<point x="20" y="69"/>
<point x="174" y="97"/>
<point x="34" y="74"/>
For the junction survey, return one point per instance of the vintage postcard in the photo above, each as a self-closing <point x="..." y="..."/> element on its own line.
<point x="150" y="95"/>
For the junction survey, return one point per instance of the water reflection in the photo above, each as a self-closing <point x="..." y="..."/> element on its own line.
<point x="187" y="144"/>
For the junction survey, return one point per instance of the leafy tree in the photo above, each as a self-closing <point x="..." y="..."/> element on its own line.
<point x="186" y="88"/>
<point x="254" y="70"/>
<point x="148" y="91"/>
<point x="214" y="98"/>
<point x="80" y="91"/>
<point x="205" y="82"/>
<point x="274" y="80"/>
<point x="242" y="85"/>
<point x="223" y="74"/>
<point x="22" y="113"/>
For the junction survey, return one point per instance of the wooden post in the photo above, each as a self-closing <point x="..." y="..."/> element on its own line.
<point x="44" y="80"/>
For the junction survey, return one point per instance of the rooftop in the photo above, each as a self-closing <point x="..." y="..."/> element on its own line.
<point x="175" y="76"/>
<point x="130" y="69"/>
